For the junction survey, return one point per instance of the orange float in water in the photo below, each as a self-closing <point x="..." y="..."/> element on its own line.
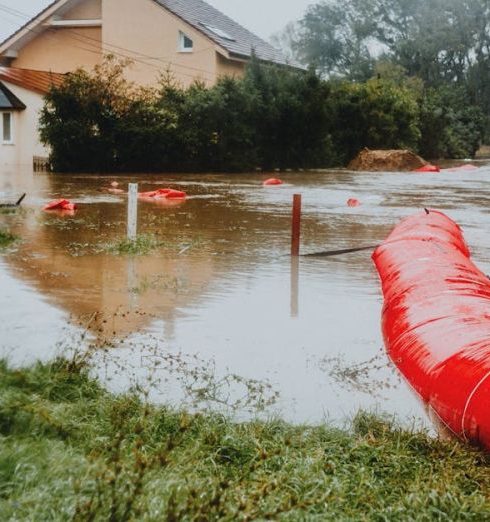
<point x="272" y="182"/>
<point x="428" y="168"/>
<point x="165" y="193"/>
<point x="436" y="321"/>
<point x="353" y="202"/>
<point x="60" y="204"/>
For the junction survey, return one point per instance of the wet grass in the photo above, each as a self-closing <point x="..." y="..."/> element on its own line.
<point x="69" y="450"/>
<point x="6" y="238"/>
<point x="141" y="245"/>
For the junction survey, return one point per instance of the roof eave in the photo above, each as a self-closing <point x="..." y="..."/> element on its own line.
<point x="31" y="25"/>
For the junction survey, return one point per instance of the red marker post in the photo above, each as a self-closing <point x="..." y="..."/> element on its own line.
<point x="296" y="227"/>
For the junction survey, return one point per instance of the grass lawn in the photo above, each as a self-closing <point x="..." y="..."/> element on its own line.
<point x="69" y="450"/>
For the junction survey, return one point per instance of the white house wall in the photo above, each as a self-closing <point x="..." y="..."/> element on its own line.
<point x="26" y="142"/>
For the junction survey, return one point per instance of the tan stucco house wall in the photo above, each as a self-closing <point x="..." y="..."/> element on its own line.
<point x="141" y="30"/>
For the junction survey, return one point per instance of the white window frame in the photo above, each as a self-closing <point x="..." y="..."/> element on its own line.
<point x="182" y="38"/>
<point x="11" y="140"/>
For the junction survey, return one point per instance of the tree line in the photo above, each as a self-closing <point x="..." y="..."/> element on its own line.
<point x="273" y="117"/>
<point x="445" y="44"/>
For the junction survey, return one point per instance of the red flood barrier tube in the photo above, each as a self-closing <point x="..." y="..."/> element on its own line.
<point x="353" y="202"/>
<point x="428" y="168"/>
<point x="436" y="321"/>
<point x="163" y="194"/>
<point x="60" y="204"/>
<point x="272" y="182"/>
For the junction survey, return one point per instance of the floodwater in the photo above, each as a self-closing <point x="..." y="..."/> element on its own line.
<point x="218" y="316"/>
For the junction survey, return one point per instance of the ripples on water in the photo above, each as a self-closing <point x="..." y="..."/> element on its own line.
<point x="219" y="317"/>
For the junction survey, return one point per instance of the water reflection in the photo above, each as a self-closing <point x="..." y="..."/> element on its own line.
<point x="219" y="291"/>
<point x="294" y="286"/>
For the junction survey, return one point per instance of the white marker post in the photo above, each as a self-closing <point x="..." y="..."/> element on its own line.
<point x="132" y="210"/>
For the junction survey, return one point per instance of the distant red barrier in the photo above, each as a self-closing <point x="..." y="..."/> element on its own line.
<point x="461" y="167"/>
<point x="428" y="168"/>
<point x="163" y="194"/>
<point x="436" y="320"/>
<point x="272" y="181"/>
<point x="60" y="204"/>
<point x="353" y="202"/>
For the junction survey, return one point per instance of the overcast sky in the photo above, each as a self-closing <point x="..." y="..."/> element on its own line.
<point x="263" y="17"/>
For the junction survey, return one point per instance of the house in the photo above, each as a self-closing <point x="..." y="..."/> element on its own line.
<point x="21" y="99"/>
<point x="189" y="39"/>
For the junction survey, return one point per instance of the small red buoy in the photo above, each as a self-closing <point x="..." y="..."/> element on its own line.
<point x="272" y="182"/>
<point x="60" y="204"/>
<point x="353" y="202"/>
<point x="428" y="168"/>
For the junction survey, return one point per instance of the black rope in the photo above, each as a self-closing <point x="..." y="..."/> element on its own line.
<point x="330" y="253"/>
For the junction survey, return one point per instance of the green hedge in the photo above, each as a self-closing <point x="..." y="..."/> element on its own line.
<point x="271" y="118"/>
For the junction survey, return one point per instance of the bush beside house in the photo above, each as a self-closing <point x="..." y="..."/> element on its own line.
<point x="272" y="118"/>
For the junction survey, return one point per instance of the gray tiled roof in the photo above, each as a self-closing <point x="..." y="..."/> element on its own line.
<point x="199" y="14"/>
<point x="8" y="100"/>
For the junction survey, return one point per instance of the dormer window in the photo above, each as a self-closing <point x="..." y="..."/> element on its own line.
<point x="186" y="44"/>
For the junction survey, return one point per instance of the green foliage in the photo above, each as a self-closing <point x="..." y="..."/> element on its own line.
<point x="450" y="125"/>
<point x="71" y="451"/>
<point x="376" y="114"/>
<point x="272" y="118"/>
<point x="443" y="43"/>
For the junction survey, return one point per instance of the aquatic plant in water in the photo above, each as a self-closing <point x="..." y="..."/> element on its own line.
<point x="6" y="238"/>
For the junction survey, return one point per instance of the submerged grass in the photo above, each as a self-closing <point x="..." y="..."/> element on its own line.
<point x="141" y="245"/>
<point x="6" y="238"/>
<point x="69" y="450"/>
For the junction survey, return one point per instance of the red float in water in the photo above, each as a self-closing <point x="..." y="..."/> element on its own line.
<point x="436" y="320"/>
<point x="353" y="202"/>
<point x="272" y="182"/>
<point x="461" y="167"/>
<point x="60" y="204"/>
<point x="428" y="168"/>
<point x="163" y="194"/>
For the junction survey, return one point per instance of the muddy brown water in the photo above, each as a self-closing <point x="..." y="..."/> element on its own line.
<point x="218" y="316"/>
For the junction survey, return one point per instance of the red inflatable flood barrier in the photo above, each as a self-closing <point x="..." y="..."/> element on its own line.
<point x="272" y="182"/>
<point x="436" y="321"/>
<point x="163" y="194"/>
<point x="428" y="168"/>
<point x="60" y="204"/>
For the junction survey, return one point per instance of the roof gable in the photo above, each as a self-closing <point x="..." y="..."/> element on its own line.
<point x="8" y="100"/>
<point x="29" y="30"/>
<point x="219" y="28"/>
